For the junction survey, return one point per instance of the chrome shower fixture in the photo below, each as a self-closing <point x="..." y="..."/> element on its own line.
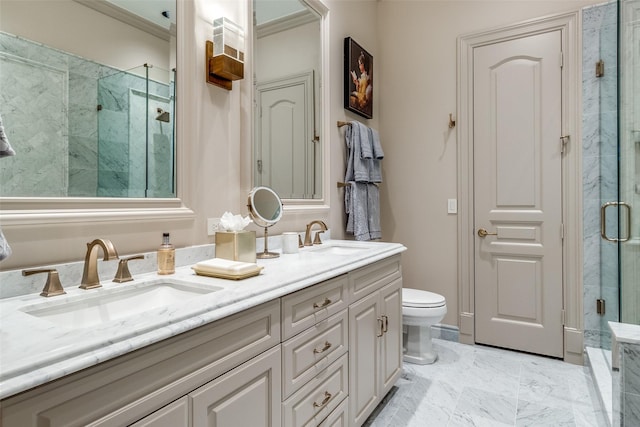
<point x="162" y="116"/>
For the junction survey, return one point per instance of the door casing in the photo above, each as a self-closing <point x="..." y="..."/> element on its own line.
<point x="568" y="24"/>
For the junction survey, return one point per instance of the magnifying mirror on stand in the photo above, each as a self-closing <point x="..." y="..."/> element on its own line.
<point x="265" y="208"/>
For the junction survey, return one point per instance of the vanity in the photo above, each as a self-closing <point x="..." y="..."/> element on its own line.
<point x="315" y="339"/>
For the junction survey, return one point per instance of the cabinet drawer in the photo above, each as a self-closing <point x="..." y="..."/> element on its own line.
<point x="313" y="350"/>
<point x="366" y="280"/>
<point x="339" y="417"/>
<point x="310" y="405"/>
<point x="174" y="414"/>
<point x="307" y="307"/>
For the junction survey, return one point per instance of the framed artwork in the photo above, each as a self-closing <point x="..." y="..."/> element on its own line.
<point x="358" y="79"/>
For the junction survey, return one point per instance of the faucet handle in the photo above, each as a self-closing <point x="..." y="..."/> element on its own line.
<point x="316" y="239"/>
<point x="300" y="244"/>
<point x="123" y="274"/>
<point x="53" y="286"/>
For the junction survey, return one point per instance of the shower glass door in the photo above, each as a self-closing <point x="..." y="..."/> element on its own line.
<point x="628" y="208"/>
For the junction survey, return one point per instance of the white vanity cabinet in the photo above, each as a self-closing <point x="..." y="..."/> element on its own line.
<point x="124" y="390"/>
<point x="324" y="355"/>
<point x="375" y="335"/>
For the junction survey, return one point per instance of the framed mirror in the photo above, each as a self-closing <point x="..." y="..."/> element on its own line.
<point x="289" y="150"/>
<point x="265" y="207"/>
<point x="48" y="22"/>
<point x="89" y="118"/>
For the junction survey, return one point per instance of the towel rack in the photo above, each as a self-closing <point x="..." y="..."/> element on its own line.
<point x="346" y="184"/>
<point x="341" y="123"/>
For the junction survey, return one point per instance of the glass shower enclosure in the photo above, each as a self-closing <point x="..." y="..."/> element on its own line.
<point x="136" y="152"/>
<point x="628" y="198"/>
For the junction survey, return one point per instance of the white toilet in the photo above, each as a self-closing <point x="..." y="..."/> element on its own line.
<point x="420" y="310"/>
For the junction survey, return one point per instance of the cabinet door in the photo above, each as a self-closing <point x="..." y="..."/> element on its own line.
<point x="364" y="354"/>
<point x="391" y="340"/>
<point x="249" y="395"/>
<point x="172" y="415"/>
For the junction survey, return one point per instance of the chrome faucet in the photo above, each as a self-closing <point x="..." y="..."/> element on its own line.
<point x="90" y="277"/>
<point x="307" y="234"/>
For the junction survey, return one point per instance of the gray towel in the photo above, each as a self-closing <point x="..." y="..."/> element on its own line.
<point x="376" y="147"/>
<point x="5" y="147"/>
<point x="5" y="249"/>
<point x="362" y="205"/>
<point x="5" y="151"/>
<point x="373" y="211"/>
<point x="357" y="167"/>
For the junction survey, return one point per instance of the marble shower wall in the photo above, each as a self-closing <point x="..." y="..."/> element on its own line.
<point x="127" y="118"/>
<point x="49" y="98"/>
<point x="599" y="145"/>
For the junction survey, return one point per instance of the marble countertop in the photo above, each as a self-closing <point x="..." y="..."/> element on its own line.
<point x="625" y="332"/>
<point x="34" y="351"/>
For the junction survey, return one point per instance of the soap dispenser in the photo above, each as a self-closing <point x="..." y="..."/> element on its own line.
<point x="166" y="256"/>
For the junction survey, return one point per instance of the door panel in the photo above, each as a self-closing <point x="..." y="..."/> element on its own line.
<point x="285" y="149"/>
<point x="518" y="176"/>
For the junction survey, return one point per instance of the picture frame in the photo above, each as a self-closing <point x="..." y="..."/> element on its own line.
<point x="358" y="79"/>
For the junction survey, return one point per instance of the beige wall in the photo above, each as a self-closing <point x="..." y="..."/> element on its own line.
<point x="419" y="91"/>
<point x="414" y="48"/>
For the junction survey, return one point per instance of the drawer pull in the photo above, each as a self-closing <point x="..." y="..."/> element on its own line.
<point x="327" y="398"/>
<point x="380" y="327"/>
<point x="324" y="303"/>
<point x="385" y="324"/>
<point x="327" y="346"/>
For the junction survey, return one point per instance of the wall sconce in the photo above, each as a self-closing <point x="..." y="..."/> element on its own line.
<point x="225" y="55"/>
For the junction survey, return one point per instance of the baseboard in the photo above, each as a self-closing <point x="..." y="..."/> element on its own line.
<point x="445" y="332"/>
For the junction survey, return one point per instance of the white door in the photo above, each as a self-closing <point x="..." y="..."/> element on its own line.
<point x="284" y="137"/>
<point x="517" y="182"/>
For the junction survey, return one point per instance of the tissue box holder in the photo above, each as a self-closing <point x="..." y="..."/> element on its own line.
<point x="236" y="245"/>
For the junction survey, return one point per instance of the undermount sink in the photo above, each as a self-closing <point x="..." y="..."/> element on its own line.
<point x="106" y="305"/>
<point x="338" y="249"/>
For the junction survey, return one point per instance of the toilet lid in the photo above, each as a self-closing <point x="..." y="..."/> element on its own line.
<point x="419" y="298"/>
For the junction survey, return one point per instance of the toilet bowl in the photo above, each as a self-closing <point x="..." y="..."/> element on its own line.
<point x="420" y="310"/>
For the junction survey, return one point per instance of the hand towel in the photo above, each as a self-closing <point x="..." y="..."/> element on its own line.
<point x="356" y="206"/>
<point x="366" y="146"/>
<point x="5" y="249"/>
<point x="357" y="167"/>
<point x="376" y="147"/>
<point x="5" y="147"/>
<point x="373" y="211"/>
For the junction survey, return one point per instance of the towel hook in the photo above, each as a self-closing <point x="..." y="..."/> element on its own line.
<point x="452" y="123"/>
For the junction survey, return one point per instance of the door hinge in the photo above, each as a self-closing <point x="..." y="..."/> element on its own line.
<point x="600" y="68"/>
<point x="564" y="140"/>
<point x="600" y="307"/>
<point x="562" y="231"/>
<point x="259" y="165"/>
<point x="561" y="59"/>
<point x="563" y="316"/>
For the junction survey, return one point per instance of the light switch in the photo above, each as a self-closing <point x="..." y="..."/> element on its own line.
<point x="452" y="206"/>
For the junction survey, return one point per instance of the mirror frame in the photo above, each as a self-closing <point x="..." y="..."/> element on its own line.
<point x="58" y="210"/>
<point x="321" y="204"/>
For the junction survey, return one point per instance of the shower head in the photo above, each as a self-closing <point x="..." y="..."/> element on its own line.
<point x="162" y="116"/>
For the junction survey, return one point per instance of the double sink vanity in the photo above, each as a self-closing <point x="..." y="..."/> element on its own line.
<point x="315" y="339"/>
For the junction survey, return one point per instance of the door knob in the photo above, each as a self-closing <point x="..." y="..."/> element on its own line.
<point x="483" y="233"/>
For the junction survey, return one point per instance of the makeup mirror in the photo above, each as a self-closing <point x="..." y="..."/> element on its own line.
<point x="265" y="208"/>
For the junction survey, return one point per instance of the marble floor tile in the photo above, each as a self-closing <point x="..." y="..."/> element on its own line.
<point x="484" y="386"/>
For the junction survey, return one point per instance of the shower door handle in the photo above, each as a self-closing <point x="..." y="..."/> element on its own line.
<point x="603" y="221"/>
